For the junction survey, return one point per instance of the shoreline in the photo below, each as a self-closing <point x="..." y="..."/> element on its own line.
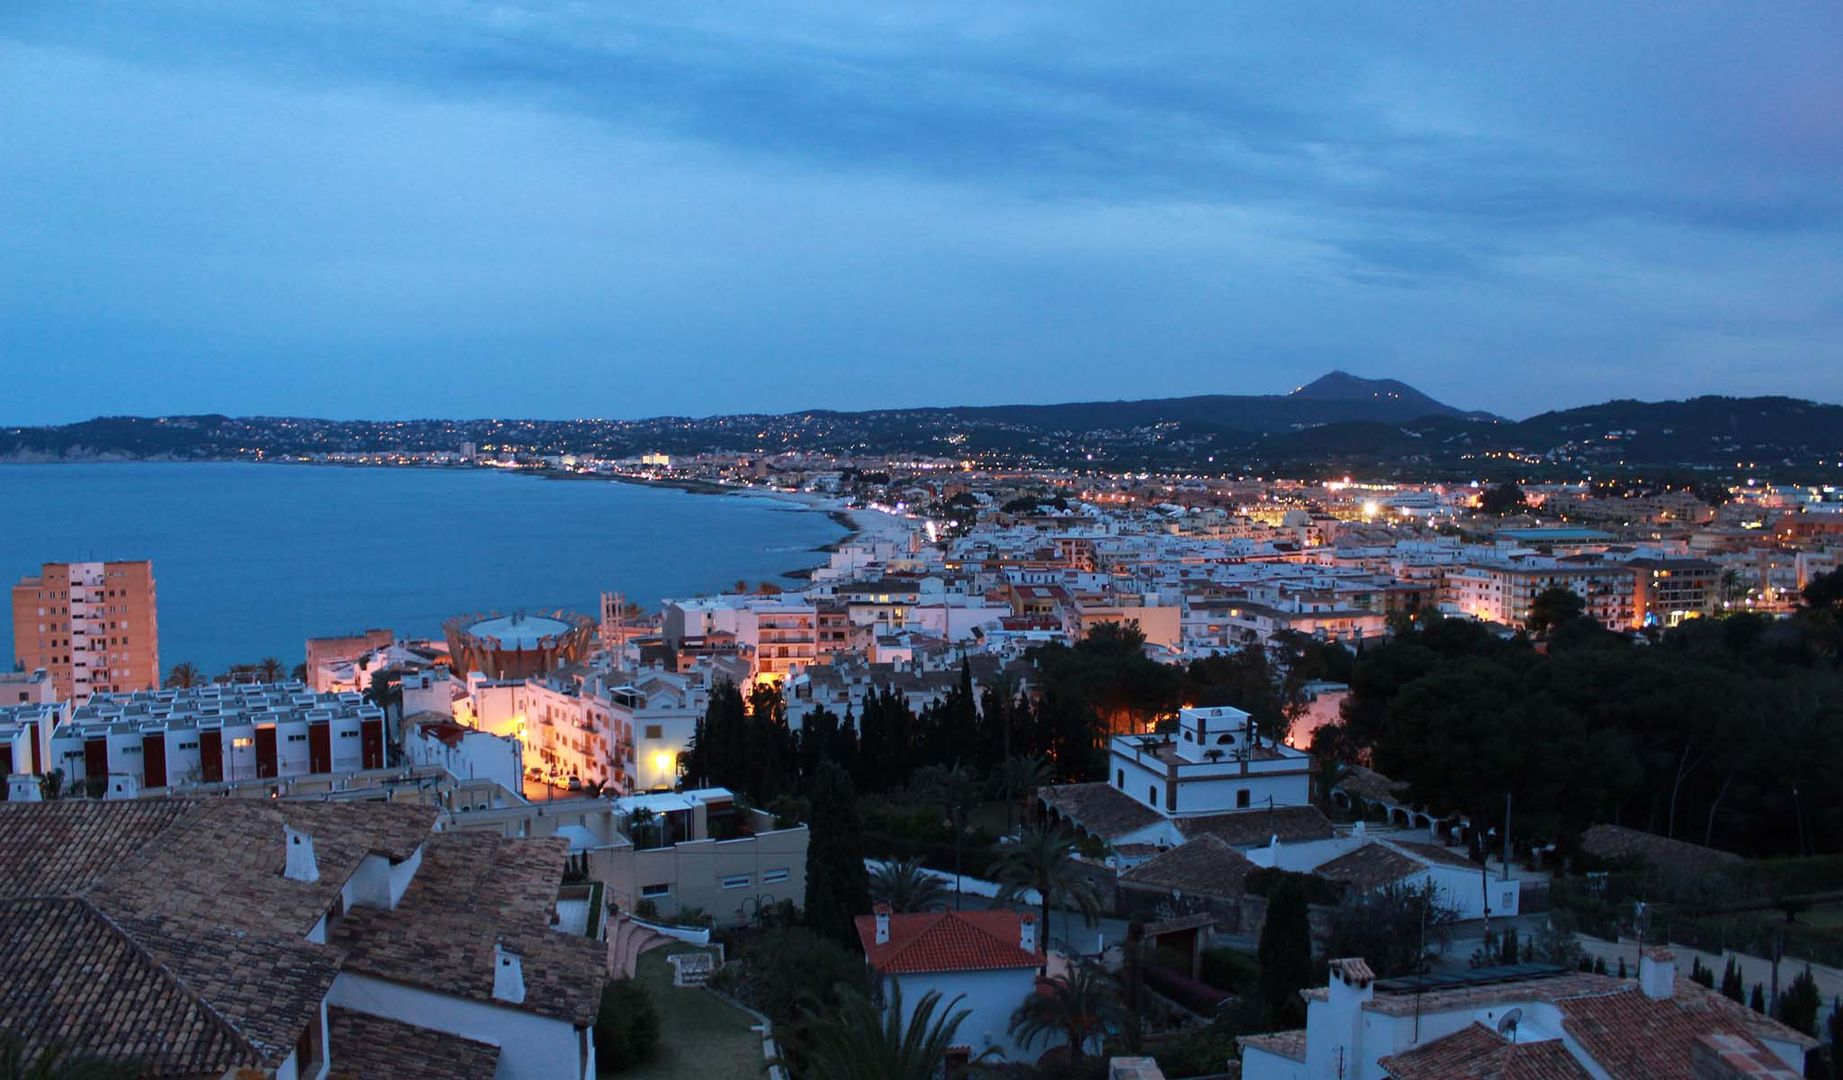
<point x="857" y="522"/>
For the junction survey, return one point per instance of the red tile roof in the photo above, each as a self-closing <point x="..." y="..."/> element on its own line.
<point x="1478" y="1053"/>
<point x="946" y="941"/>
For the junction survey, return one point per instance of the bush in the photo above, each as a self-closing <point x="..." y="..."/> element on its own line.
<point x="1229" y="970"/>
<point x="626" y="1026"/>
<point x="1198" y="997"/>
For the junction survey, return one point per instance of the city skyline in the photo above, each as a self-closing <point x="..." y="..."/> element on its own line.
<point x="382" y="210"/>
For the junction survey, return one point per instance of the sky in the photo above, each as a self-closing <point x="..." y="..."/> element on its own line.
<point x="418" y="208"/>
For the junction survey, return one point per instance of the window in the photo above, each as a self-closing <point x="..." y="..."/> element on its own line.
<point x="774" y="877"/>
<point x="651" y="891"/>
<point x="1151" y="795"/>
<point x="737" y="881"/>
<point x="242" y="744"/>
<point x="1242" y="799"/>
<point x="655" y="731"/>
<point x="1119" y="779"/>
<point x="297" y="738"/>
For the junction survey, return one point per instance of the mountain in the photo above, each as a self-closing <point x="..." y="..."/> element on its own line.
<point x="1340" y="422"/>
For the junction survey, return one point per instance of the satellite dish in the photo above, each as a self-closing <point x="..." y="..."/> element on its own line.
<point x="1507" y="1026"/>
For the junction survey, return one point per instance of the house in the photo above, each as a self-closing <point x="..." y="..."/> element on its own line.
<point x="987" y="959"/>
<point x="1534" y="1020"/>
<point x="215" y="936"/>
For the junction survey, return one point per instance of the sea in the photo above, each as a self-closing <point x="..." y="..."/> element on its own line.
<point x="252" y="559"/>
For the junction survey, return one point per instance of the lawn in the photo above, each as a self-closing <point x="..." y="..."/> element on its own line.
<point x="701" y="1037"/>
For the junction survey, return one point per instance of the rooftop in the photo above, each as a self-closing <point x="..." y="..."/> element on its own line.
<point x="946" y="941"/>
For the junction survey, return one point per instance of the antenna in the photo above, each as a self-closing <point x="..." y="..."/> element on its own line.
<point x="1507" y="1026"/>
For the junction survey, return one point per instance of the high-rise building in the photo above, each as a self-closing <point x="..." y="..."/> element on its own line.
<point x="91" y="625"/>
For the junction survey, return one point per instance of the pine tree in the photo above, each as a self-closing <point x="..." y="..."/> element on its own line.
<point x="1799" y="1005"/>
<point x="1733" y="987"/>
<point x="837" y="884"/>
<point x="1285" y="952"/>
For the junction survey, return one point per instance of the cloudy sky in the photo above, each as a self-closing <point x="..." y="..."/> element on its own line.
<point x="439" y="208"/>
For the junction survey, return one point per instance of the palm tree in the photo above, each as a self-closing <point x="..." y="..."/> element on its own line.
<point x="1042" y="858"/>
<point x="858" y="1041"/>
<point x="269" y="669"/>
<point x="1018" y="778"/>
<point x="644" y="824"/>
<point x="905" y="886"/>
<point x="957" y="793"/>
<point x="184" y="675"/>
<point x="1080" y="1006"/>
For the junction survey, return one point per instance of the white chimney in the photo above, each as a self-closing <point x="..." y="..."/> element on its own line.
<point x="1027" y="932"/>
<point x="1657" y="974"/>
<point x="300" y="865"/>
<point x="508" y="974"/>
<point x="24" y="787"/>
<point x="123" y="786"/>
<point x="882" y="912"/>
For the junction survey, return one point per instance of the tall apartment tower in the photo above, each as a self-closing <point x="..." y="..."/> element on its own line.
<point x="91" y="625"/>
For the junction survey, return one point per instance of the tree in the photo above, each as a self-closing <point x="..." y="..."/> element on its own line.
<point x="837" y="885"/>
<point x="788" y="970"/>
<point x="1080" y="1005"/>
<point x="1552" y="607"/>
<point x="1285" y="952"/>
<point x="1502" y="499"/>
<point x="1043" y="858"/>
<point x="269" y="669"/>
<point x="1733" y="986"/>
<point x="184" y="675"/>
<point x="907" y="886"/>
<point x="859" y="1041"/>
<point x="1799" y="1005"/>
<point x="299" y="674"/>
<point x="1757" y="1000"/>
<point x="1018" y="777"/>
<point x="1395" y="928"/>
<point x="955" y="790"/>
<point x="626" y="1026"/>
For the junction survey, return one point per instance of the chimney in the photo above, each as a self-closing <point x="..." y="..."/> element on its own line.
<point x="1027" y="932"/>
<point x="24" y="787"/>
<point x="508" y="974"/>
<point x="882" y="912"/>
<point x="1657" y="974"/>
<point x="300" y="865"/>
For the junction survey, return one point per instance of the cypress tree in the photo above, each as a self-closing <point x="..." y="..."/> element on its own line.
<point x="837" y="885"/>
<point x="1757" y="1000"/>
<point x="1733" y="987"/>
<point x="1285" y="952"/>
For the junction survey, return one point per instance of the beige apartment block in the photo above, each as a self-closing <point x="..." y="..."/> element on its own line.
<point x="92" y="625"/>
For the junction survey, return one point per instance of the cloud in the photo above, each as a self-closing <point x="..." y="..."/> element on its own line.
<point x="844" y="205"/>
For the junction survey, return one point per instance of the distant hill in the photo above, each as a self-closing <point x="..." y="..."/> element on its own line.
<point x="1340" y="421"/>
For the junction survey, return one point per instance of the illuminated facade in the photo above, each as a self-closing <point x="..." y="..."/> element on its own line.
<point x="91" y="625"/>
<point x="518" y="645"/>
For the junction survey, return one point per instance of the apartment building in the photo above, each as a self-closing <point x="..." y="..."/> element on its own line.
<point x="1667" y="591"/>
<point x="93" y="626"/>
<point x="1502" y="590"/>
<point x="199" y="737"/>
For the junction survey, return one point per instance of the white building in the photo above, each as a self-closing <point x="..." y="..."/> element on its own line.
<point x="988" y="959"/>
<point x="1522" y="1022"/>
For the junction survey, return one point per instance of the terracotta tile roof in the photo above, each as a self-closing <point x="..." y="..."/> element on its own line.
<point x="1616" y="843"/>
<point x="473" y="890"/>
<point x="1099" y="808"/>
<point x="164" y="930"/>
<point x="1367" y="783"/>
<point x="368" y="1047"/>
<point x="70" y="976"/>
<point x="1205" y="866"/>
<point x="1478" y="1053"/>
<point x="1435" y="853"/>
<point x="1286" y="1044"/>
<point x="946" y="941"/>
<point x="1633" y="1036"/>
<point x="1253" y="828"/>
<point x="1369" y="867"/>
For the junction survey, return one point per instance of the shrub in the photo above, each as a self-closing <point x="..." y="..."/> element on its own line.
<point x="626" y="1026"/>
<point x="1229" y="970"/>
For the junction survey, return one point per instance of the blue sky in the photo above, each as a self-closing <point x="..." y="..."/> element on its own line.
<point x="381" y="208"/>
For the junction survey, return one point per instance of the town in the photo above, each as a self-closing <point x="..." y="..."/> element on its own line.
<point x="1041" y="773"/>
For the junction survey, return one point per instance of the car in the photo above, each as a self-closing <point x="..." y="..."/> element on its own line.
<point x="575" y="783"/>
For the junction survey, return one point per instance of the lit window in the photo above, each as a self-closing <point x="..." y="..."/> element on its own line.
<point x="774" y="877"/>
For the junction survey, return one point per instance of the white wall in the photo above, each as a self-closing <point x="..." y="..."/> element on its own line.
<point x="990" y="995"/>
<point x="531" y="1047"/>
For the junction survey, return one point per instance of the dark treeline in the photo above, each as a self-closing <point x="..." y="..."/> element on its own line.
<point x="1081" y="694"/>
<point x="1723" y="731"/>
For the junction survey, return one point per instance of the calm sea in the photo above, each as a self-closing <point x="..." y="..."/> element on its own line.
<point x="250" y="560"/>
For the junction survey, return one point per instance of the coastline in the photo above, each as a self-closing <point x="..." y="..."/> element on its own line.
<point x="856" y="521"/>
